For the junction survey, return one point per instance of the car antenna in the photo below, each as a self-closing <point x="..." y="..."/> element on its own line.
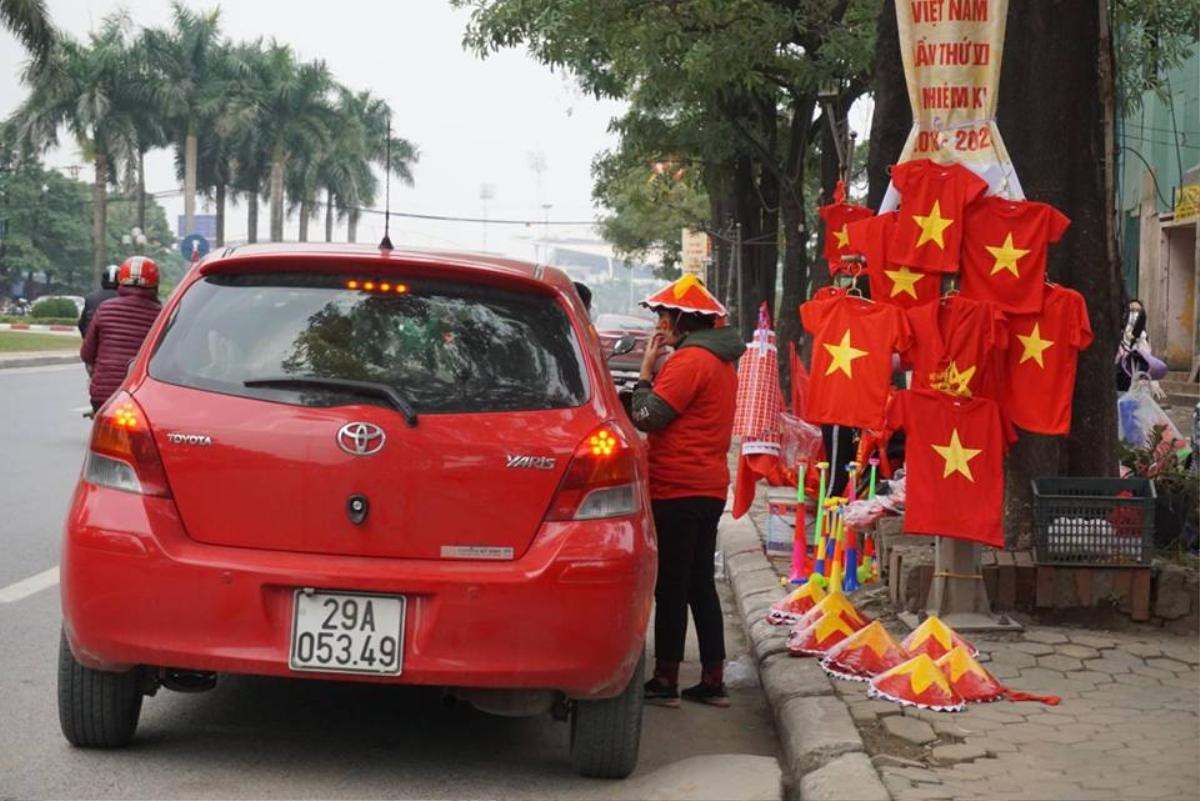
<point x="386" y="242"/>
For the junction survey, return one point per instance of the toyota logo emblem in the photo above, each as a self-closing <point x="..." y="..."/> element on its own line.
<point x="361" y="439"/>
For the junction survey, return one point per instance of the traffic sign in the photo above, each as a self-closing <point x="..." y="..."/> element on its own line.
<point x="194" y="244"/>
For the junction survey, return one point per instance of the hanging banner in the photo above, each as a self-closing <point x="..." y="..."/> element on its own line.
<point x="952" y="51"/>
<point x="695" y="252"/>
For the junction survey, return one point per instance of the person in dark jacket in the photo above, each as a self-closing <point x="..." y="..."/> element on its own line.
<point x="119" y="327"/>
<point x="688" y="410"/>
<point x="107" y="291"/>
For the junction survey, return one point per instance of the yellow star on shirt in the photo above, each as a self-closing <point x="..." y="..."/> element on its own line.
<point x="843" y="355"/>
<point x="843" y="236"/>
<point x="932" y="226"/>
<point x="1034" y="346"/>
<point x="1006" y="255"/>
<point x="958" y="459"/>
<point x="953" y="380"/>
<point x="904" y="281"/>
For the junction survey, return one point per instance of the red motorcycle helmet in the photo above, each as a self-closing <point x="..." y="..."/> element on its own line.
<point x="138" y="271"/>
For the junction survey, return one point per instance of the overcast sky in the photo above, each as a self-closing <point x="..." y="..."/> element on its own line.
<point x="474" y="121"/>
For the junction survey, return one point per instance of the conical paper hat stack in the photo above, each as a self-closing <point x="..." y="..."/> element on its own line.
<point x="935" y="639"/>
<point x="866" y="653"/>
<point x="687" y="295"/>
<point x="968" y="678"/>
<point x="918" y="682"/>
<point x="835" y="602"/>
<point x="816" y="639"/>
<point x="801" y="599"/>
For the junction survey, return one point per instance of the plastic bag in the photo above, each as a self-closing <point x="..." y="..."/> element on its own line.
<point x="800" y="441"/>
<point x="1138" y="413"/>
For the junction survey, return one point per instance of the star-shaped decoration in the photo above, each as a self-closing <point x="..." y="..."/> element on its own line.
<point x="958" y="459"/>
<point x="843" y="236"/>
<point x="904" y="281"/>
<point x="1006" y="256"/>
<point x="933" y="225"/>
<point x="1034" y="346"/>
<point x="842" y="356"/>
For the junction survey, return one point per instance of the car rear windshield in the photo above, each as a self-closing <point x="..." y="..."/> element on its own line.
<point x="445" y="347"/>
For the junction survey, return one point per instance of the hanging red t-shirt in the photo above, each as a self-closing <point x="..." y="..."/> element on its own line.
<point x="837" y="217"/>
<point x="933" y="202"/>
<point x="853" y="342"/>
<point x="1004" y="251"/>
<point x="890" y="283"/>
<point x="958" y="347"/>
<point x="1042" y="356"/>
<point x="954" y="462"/>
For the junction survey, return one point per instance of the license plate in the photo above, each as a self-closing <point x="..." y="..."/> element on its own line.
<point x="334" y="632"/>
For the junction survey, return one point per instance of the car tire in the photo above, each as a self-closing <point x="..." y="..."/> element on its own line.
<point x="96" y="708"/>
<point x="605" y="734"/>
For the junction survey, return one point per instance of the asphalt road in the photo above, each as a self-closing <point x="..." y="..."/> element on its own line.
<point x="274" y="738"/>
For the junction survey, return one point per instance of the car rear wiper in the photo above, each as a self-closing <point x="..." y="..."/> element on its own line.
<point x="375" y="388"/>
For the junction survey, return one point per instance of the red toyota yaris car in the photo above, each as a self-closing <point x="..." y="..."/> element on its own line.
<point x="364" y="465"/>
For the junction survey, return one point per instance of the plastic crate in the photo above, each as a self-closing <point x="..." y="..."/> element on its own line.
<point x="1083" y="521"/>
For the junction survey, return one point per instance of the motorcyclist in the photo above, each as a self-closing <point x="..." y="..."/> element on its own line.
<point x="119" y="327"/>
<point x="107" y="291"/>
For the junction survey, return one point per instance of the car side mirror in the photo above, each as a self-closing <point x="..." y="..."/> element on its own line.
<point x="624" y="345"/>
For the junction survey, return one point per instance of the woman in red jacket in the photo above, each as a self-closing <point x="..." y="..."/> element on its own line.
<point x="119" y="327"/>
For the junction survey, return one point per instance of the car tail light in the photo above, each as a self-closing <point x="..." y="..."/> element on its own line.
<point x="601" y="481"/>
<point x="122" y="454"/>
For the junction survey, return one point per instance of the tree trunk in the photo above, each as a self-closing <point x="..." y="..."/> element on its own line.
<point x="252" y="216"/>
<point x="99" y="218"/>
<point x="328" y="216"/>
<point x="220" y="214"/>
<point x="277" y="200"/>
<point x="796" y="268"/>
<point x="141" y="191"/>
<point x="1060" y="159"/>
<point x="189" y="183"/>
<point x="305" y="213"/>
<point x="892" y="118"/>
<point x="352" y="226"/>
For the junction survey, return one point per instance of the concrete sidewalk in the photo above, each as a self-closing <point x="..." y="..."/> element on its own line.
<point x="37" y="358"/>
<point x="1127" y="726"/>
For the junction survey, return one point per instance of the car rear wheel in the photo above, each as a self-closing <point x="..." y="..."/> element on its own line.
<point x="96" y="708"/>
<point x="605" y="734"/>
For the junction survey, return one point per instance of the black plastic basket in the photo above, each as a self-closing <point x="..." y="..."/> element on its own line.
<point x="1085" y="521"/>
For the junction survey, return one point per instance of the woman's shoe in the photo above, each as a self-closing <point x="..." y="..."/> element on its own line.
<point x="711" y="694"/>
<point x="660" y="693"/>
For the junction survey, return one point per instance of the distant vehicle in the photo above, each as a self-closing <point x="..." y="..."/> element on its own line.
<point x="78" y="300"/>
<point x="610" y="328"/>
<point x="346" y="463"/>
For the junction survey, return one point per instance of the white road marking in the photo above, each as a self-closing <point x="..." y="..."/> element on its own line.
<point x="26" y="587"/>
<point x="81" y="409"/>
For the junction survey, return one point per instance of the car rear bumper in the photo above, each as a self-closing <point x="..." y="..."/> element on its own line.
<point x="570" y="615"/>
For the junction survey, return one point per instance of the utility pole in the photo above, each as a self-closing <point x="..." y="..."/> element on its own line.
<point x="737" y="262"/>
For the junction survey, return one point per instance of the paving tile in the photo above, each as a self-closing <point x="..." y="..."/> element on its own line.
<point x="1169" y="664"/>
<point x="1142" y="649"/>
<point x="1004" y="671"/>
<point x="1009" y="656"/>
<point x="1078" y="651"/>
<point x="914" y="731"/>
<point x="952" y="754"/>
<point x="1120" y="655"/>
<point x="950" y="727"/>
<point x="1032" y="648"/>
<point x="1060" y="662"/>
<point x="1107" y="665"/>
<point x="1184" y="649"/>
<point x="996" y="712"/>
<point x="1092" y="677"/>
<point x="1046" y="636"/>
<point x="1154" y="673"/>
<point x="1136" y="680"/>
<point x="1093" y="640"/>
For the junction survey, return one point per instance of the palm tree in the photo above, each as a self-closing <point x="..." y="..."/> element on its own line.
<point x="374" y="115"/>
<point x="30" y="23"/>
<point x="289" y="105"/>
<point x="87" y="88"/>
<point x="184" y="58"/>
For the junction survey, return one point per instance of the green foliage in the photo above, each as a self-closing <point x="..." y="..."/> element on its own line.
<point x="1151" y="38"/>
<point x="13" y="318"/>
<point x="55" y="307"/>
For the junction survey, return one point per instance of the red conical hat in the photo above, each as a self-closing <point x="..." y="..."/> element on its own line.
<point x="866" y="653"/>
<point x="917" y="682"/>
<point x="970" y="679"/>
<point x="801" y="599"/>
<point x="935" y="638"/>
<point x="838" y="603"/>
<point x="687" y="295"/>
<point x="817" y="639"/>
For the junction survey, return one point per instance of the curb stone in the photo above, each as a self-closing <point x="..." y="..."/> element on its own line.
<point x="70" y="357"/>
<point x="823" y="753"/>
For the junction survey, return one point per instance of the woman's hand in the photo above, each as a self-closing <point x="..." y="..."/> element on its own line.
<point x="651" y="355"/>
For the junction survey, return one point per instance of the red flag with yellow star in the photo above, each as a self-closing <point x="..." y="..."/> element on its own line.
<point x="1004" y="252"/>
<point x="866" y="653"/>
<point x="796" y="604"/>
<point x="935" y="638"/>
<point x="918" y="682"/>
<point x="954" y="455"/>
<point x="1042" y="358"/>
<point x="837" y="215"/>
<point x="933" y="200"/>
<point x="817" y="638"/>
